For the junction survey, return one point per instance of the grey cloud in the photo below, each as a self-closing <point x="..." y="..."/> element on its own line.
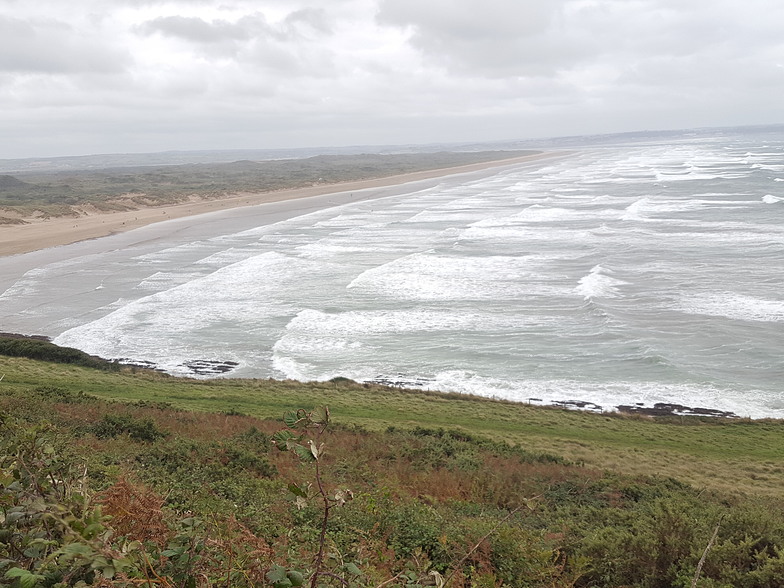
<point x="685" y="50"/>
<point x="149" y="3"/>
<point x="321" y="71"/>
<point x="496" y="38"/>
<point x="51" y="46"/>
<point x="315" y="18"/>
<point x="466" y="19"/>
<point x="197" y="30"/>
<point x="508" y="38"/>
<point x="290" y="47"/>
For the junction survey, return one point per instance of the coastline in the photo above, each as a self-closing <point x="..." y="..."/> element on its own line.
<point x="202" y="369"/>
<point x="37" y="234"/>
<point x="330" y="195"/>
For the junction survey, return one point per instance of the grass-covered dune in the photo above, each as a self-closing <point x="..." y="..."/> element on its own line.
<point x="420" y="488"/>
<point x="63" y="193"/>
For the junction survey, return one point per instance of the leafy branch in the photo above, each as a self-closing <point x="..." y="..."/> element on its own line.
<point x="300" y="424"/>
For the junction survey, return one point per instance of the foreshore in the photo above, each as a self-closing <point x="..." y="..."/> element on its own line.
<point x="36" y="233"/>
<point x="208" y="368"/>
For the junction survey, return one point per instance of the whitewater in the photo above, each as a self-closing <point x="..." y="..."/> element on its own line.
<point x="630" y="273"/>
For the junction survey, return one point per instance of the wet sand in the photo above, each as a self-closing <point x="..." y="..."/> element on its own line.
<point x="37" y="234"/>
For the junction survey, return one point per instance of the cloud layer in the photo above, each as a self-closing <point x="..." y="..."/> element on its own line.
<point x="92" y="76"/>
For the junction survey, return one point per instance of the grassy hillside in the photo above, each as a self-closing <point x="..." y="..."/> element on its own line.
<point x="422" y="488"/>
<point x="729" y="455"/>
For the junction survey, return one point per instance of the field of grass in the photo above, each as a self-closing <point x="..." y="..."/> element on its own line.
<point x="403" y="489"/>
<point x="738" y="455"/>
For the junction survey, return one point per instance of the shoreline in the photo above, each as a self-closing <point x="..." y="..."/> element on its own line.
<point x="207" y="368"/>
<point x="38" y="234"/>
<point x="291" y="200"/>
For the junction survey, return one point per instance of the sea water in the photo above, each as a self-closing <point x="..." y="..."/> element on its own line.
<point x="633" y="273"/>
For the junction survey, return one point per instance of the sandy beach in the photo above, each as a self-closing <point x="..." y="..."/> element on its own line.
<point x="38" y="233"/>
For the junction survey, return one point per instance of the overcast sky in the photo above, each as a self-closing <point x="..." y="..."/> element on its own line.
<point x="109" y="76"/>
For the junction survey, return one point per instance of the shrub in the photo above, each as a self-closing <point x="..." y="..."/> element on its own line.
<point x="413" y="526"/>
<point x="111" y="426"/>
<point x="57" y="394"/>
<point x="46" y="351"/>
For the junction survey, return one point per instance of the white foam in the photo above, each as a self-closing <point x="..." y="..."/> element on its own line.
<point x="329" y="249"/>
<point x="165" y="256"/>
<point x="504" y="234"/>
<point x="429" y="276"/>
<point x="226" y="257"/>
<point x="638" y="210"/>
<point x="294" y="370"/>
<point x="769" y="167"/>
<point x="20" y="289"/>
<point x="609" y="394"/>
<point x="686" y="176"/>
<point x="771" y="199"/>
<point x="733" y="306"/>
<point x="164" y="327"/>
<point x="40" y="279"/>
<point x="309" y="344"/>
<point x="440" y="215"/>
<point x="164" y="280"/>
<point x="599" y="284"/>
<point x="645" y="208"/>
<point x="342" y="221"/>
<point x="380" y="322"/>
<point x="714" y="235"/>
<point x="537" y="213"/>
<point x="318" y="345"/>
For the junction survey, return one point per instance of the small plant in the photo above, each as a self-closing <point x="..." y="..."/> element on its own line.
<point x="299" y="423"/>
<point x="50" y="532"/>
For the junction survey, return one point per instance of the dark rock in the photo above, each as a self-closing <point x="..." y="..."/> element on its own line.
<point x="400" y="381"/>
<point x="206" y="367"/>
<point x="667" y="409"/>
<point x="137" y="363"/>
<point x="581" y="404"/>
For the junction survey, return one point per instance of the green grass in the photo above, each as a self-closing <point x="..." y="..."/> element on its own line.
<point x="739" y="455"/>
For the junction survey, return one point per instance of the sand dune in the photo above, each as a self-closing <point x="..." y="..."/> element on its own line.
<point x="37" y="233"/>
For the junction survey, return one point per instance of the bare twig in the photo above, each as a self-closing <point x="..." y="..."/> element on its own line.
<point x="324" y="523"/>
<point x="705" y="554"/>
<point x="392" y="579"/>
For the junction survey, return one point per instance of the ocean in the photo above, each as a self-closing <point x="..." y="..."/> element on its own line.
<point x="630" y="273"/>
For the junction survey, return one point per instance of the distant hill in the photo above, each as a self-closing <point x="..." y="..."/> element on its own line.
<point x="167" y="158"/>
<point x="171" y="158"/>
<point x="10" y="182"/>
<point x="54" y="191"/>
